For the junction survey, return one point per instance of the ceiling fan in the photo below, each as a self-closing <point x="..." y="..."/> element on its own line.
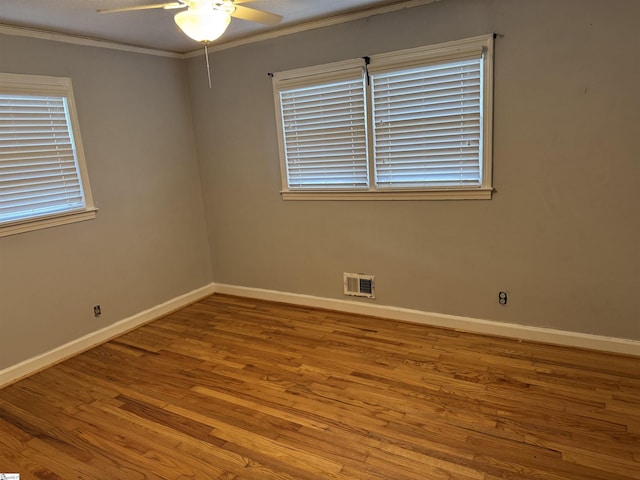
<point x="206" y="20"/>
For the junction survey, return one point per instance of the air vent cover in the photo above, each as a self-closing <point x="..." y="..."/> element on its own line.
<point x="359" y="285"/>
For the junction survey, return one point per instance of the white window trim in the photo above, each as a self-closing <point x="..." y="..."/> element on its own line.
<point x="405" y="194"/>
<point x="449" y="51"/>
<point x="58" y="86"/>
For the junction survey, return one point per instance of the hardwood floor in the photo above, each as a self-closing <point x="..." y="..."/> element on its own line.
<point x="231" y="388"/>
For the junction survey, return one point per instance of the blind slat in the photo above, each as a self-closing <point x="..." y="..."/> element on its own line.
<point x="427" y="126"/>
<point x="325" y="141"/>
<point x="38" y="166"/>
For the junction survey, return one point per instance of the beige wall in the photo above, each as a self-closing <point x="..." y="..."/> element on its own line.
<point x="562" y="233"/>
<point x="148" y="243"/>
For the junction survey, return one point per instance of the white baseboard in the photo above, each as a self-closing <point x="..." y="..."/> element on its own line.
<point x="68" y="350"/>
<point x="467" y="324"/>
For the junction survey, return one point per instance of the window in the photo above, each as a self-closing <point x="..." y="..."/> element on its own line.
<point x="43" y="178"/>
<point x="414" y="124"/>
<point x="325" y="129"/>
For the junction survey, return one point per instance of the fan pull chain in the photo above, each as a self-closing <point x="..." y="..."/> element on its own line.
<point x="206" y="55"/>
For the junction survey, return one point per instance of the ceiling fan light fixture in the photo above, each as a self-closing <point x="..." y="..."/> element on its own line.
<point x="203" y="24"/>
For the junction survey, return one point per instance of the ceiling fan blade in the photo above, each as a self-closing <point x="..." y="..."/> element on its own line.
<point x="254" y="15"/>
<point x="144" y="7"/>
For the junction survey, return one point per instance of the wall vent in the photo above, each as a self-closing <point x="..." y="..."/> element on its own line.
<point x="359" y="285"/>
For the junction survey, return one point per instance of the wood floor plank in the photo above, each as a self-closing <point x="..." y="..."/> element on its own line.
<point x="234" y="388"/>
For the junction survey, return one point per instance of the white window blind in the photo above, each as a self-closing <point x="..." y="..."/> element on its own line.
<point x="325" y="139"/>
<point x="427" y="126"/>
<point x="43" y="179"/>
<point x="38" y="169"/>
<point x="418" y="125"/>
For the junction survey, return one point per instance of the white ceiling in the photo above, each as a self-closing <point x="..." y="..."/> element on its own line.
<point x="155" y="28"/>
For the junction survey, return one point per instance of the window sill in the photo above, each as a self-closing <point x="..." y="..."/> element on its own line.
<point x="449" y="194"/>
<point x="45" y="222"/>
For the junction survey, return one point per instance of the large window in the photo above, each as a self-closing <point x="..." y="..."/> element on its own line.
<point x="43" y="178"/>
<point x="414" y="124"/>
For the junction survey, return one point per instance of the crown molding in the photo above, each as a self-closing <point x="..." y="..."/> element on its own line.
<point x="20" y="31"/>
<point x="79" y="40"/>
<point x="312" y="25"/>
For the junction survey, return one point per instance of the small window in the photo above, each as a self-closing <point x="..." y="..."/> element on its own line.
<point x="413" y="124"/>
<point x="427" y="126"/>
<point x="325" y="135"/>
<point x="43" y="178"/>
